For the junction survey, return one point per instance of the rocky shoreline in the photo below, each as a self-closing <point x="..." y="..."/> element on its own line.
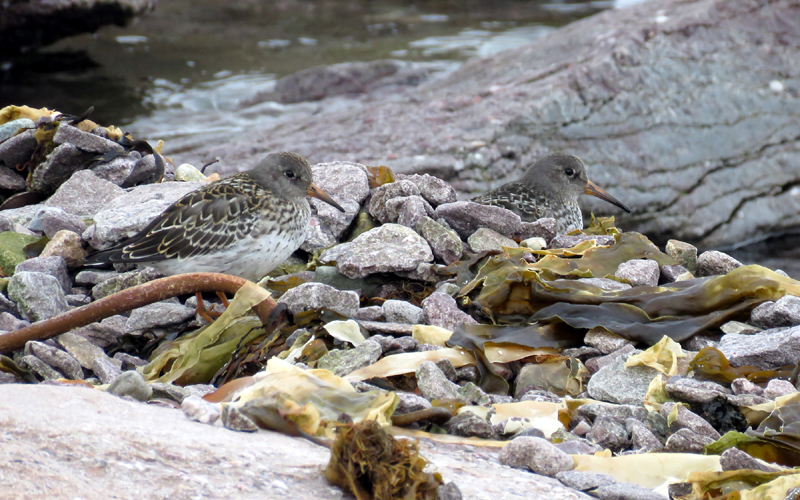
<point x="419" y="299"/>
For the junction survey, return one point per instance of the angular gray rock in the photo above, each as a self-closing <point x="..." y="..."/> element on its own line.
<point x="639" y="272"/>
<point x="84" y="194"/>
<point x="400" y="311"/>
<point x="485" y="239"/>
<point x="769" y="349"/>
<point x="384" y="249"/>
<point x="684" y="253"/>
<point x="445" y="244"/>
<point x="783" y="312"/>
<point x="616" y="384"/>
<point x="342" y="362"/>
<point x="160" y="314"/>
<point x="317" y="295"/>
<point x="441" y="310"/>
<point x="433" y="383"/>
<point x="712" y="262"/>
<point x="538" y="454"/>
<point x="38" y="295"/>
<point x="433" y="189"/>
<point x="54" y="266"/>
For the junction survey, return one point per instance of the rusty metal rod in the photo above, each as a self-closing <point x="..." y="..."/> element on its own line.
<point x="130" y="298"/>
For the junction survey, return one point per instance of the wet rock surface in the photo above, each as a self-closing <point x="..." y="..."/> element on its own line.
<point x="402" y="263"/>
<point x="710" y="196"/>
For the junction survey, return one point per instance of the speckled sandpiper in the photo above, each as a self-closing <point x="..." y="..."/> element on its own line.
<point x="245" y="225"/>
<point x="549" y="188"/>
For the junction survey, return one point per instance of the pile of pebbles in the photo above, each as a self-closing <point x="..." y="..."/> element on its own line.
<point x="421" y="229"/>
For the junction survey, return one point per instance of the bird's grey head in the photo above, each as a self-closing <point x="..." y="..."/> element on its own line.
<point x="560" y="172"/>
<point x="285" y="174"/>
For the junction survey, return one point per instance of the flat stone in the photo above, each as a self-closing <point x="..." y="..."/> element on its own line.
<point x="609" y="432"/>
<point x="484" y="239"/>
<point x="627" y="491"/>
<point x="105" y="334"/>
<point x="671" y="274"/>
<point x="783" y="312"/>
<point x="317" y="296"/>
<point x="687" y="441"/>
<point x="343" y="179"/>
<point x="121" y="281"/>
<point x="65" y="245"/>
<point x="468" y="424"/>
<point x="643" y="440"/>
<point x="377" y="206"/>
<point x="344" y="362"/>
<point x="693" y="390"/>
<point x="56" y="358"/>
<point x="768" y="349"/>
<point x="604" y="341"/>
<point x="159" y="314"/>
<point x="50" y="220"/>
<point x="384" y="249"/>
<point x="466" y="217"/>
<point x="81" y="349"/>
<point x="84" y="194"/>
<point x="537" y="454"/>
<point x="18" y="150"/>
<point x="686" y="419"/>
<point x="584" y="481"/>
<point x="408" y="402"/>
<point x="85" y="141"/>
<point x="736" y="459"/>
<point x="106" y="369"/>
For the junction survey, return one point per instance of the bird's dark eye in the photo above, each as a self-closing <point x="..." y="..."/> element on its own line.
<point x="569" y="172"/>
<point x="290" y="174"/>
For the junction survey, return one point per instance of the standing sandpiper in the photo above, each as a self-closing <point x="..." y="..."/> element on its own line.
<point x="245" y="225"/>
<point x="549" y="188"/>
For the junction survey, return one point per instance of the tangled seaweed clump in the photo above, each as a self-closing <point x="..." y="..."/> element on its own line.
<point x="413" y="309"/>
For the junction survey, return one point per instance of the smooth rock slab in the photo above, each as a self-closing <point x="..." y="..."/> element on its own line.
<point x="627" y="491"/>
<point x="384" y="249"/>
<point x="156" y="452"/>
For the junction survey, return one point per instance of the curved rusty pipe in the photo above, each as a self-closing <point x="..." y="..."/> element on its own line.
<point x="130" y="298"/>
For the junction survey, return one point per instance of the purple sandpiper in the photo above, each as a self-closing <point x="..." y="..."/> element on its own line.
<point x="245" y="225"/>
<point x="549" y="188"/>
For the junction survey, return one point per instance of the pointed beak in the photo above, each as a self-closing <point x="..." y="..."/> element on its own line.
<point x="316" y="192"/>
<point x="595" y="190"/>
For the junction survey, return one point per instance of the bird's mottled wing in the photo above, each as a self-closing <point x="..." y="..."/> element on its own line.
<point x="517" y="198"/>
<point x="204" y="221"/>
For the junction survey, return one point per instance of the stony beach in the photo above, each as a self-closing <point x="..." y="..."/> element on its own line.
<point x="398" y="296"/>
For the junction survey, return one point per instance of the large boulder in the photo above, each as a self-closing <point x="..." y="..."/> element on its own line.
<point x="687" y="110"/>
<point x="28" y="25"/>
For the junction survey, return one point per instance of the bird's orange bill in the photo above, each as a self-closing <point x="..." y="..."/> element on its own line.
<point x="316" y="192"/>
<point x="595" y="190"/>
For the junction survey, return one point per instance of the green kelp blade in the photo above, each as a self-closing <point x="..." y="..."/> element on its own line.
<point x="196" y="358"/>
<point x="602" y="261"/>
<point x="633" y="323"/>
<point x="601" y="226"/>
<point x="12" y="249"/>
<point x="473" y="338"/>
